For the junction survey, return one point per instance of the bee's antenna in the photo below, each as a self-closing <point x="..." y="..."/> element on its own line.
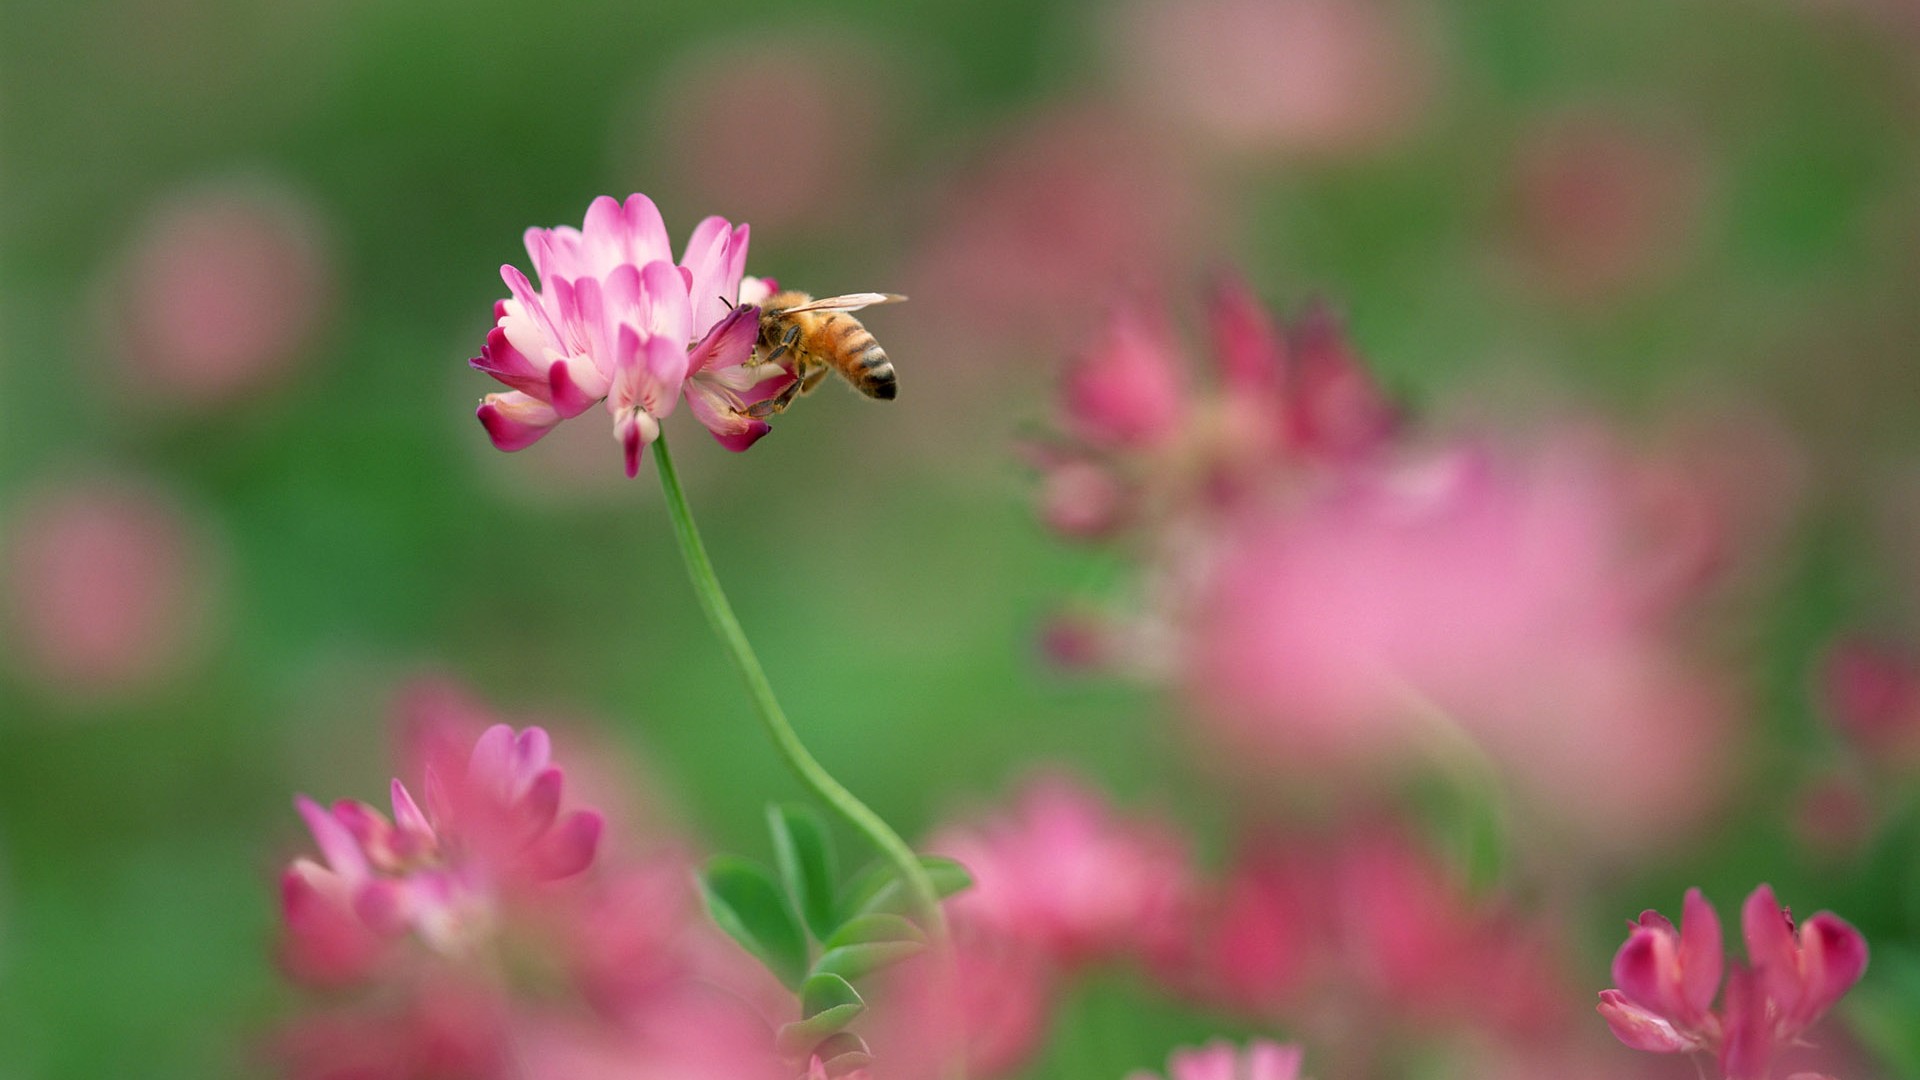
<point x="730" y="304"/>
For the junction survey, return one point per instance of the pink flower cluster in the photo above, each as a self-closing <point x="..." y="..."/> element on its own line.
<point x="492" y="825"/>
<point x="1668" y="978"/>
<point x="1062" y="883"/>
<point x="1363" y="923"/>
<point x="1369" y="919"/>
<point x="1143" y="446"/>
<point x="617" y="320"/>
<point x="1334" y="598"/>
<point x="482" y="932"/>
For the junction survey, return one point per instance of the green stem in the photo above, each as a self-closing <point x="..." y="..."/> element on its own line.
<point x="706" y="585"/>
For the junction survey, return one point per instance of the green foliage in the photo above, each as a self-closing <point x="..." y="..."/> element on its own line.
<point x="830" y="944"/>
<point x="828" y="1003"/>
<point x="805" y="857"/>
<point x="748" y="903"/>
<point x="878" y="889"/>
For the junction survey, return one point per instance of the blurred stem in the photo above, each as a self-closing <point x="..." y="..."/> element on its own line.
<point x="706" y="585"/>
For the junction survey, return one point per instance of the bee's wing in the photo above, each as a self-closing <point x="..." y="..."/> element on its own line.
<point x="849" y="302"/>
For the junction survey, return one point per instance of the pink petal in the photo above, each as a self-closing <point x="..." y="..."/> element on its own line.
<point x="604" y="234"/>
<point x="532" y="751"/>
<point x="569" y="396"/>
<point x="718" y="413"/>
<point x="1127" y="390"/>
<point x="664" y="366"/>
<point x="326" y="944"/>
<point x="540" y="805"/>
<point x="592" y="334"/>
<point x="1269" y="1060"/>
<point x="665" y="308"/>
<point x="440" y="803"/>
<point x="1771" y="949"/>
<point x="729" y="343"/>
<point x="646" y="232"/>
<point x="382" y="905"/>
<point x="568" y="847"/>
<point x="1646" y="971"/>
<point x="715" y="257"/>
<point x="530" y="302"/>
<point x="490" y="768"/>
<point x="369" y="828"/>
<point x="1214" y="1061"/>
<point x="1747" y="1052"/>
<point x="1702" y="955"/>
<point x="750" y="432"/>
<point x="335" y="842"/>
<point x="633" y="429"/>
<point x="501" y="360"/>
<point x="515" y="421"/>
<point x="1639" y="1028"/>
<point x="1339" y="410"/>
<point x="1253" y="355"/>
<point x="414" y="836"/>
<point x="1833" y="957"/>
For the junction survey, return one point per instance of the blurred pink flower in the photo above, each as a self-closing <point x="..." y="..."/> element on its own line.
<point x="1602" y="206"/>
<point x="1259" y="939"/>
<point x="1067" y="876"/>
<point x="440" y="1030"/>
<point x="697" y="1035"/>
<point x="1833" y="817"/>
<point x="1262" y="1059"/>
<point x="1667" y="980"/>
<point x="1306" y="78"/>
<point x="1125" y="391"/>
<point x="1366" y="923"/>
<point x="617" y="321"/>
<point x="1871" y="692"/>
<point x="1505" y="593"/>
<point x="1004" y="991"/>
<point x="1415" y="940"/>
<point x="109" y="586"/>
<point x="218" y="296"/>
<point x="1145" y="442"/>
<point x="491" y="825"/>
<point x="533" y="965"/>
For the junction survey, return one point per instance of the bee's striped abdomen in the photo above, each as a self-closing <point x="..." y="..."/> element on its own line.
<point x="858" y="357"/>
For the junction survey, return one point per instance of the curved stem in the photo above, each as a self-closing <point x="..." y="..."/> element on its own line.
<point x="706" y="584"/>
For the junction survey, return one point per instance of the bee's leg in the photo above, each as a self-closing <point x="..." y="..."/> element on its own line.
<point x="788" y="342"/>
<point x="776" y="404"/>
<point x="812" y="380"/>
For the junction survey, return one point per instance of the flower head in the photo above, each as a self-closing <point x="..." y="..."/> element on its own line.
<point x="1069" y="877"/>
<point x="491" y="825"/>
<point x="615" y="319"/>
<point x="1668" y="979"/>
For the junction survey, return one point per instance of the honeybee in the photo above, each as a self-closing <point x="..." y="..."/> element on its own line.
<point x="812" y="337"/>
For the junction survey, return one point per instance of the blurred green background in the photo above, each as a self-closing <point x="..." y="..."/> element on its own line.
<point x="354" y="529"/>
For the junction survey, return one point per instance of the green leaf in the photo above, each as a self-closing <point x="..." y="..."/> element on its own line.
<point x="828" y="1004"/>
<point x="746" y="902"/>
<point x="805" y="857"/>
<point x="878" y="889"/>
<point x="877" y="927"/>
<point x="843" y="1053"/>
<point x="856" y="961"/>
